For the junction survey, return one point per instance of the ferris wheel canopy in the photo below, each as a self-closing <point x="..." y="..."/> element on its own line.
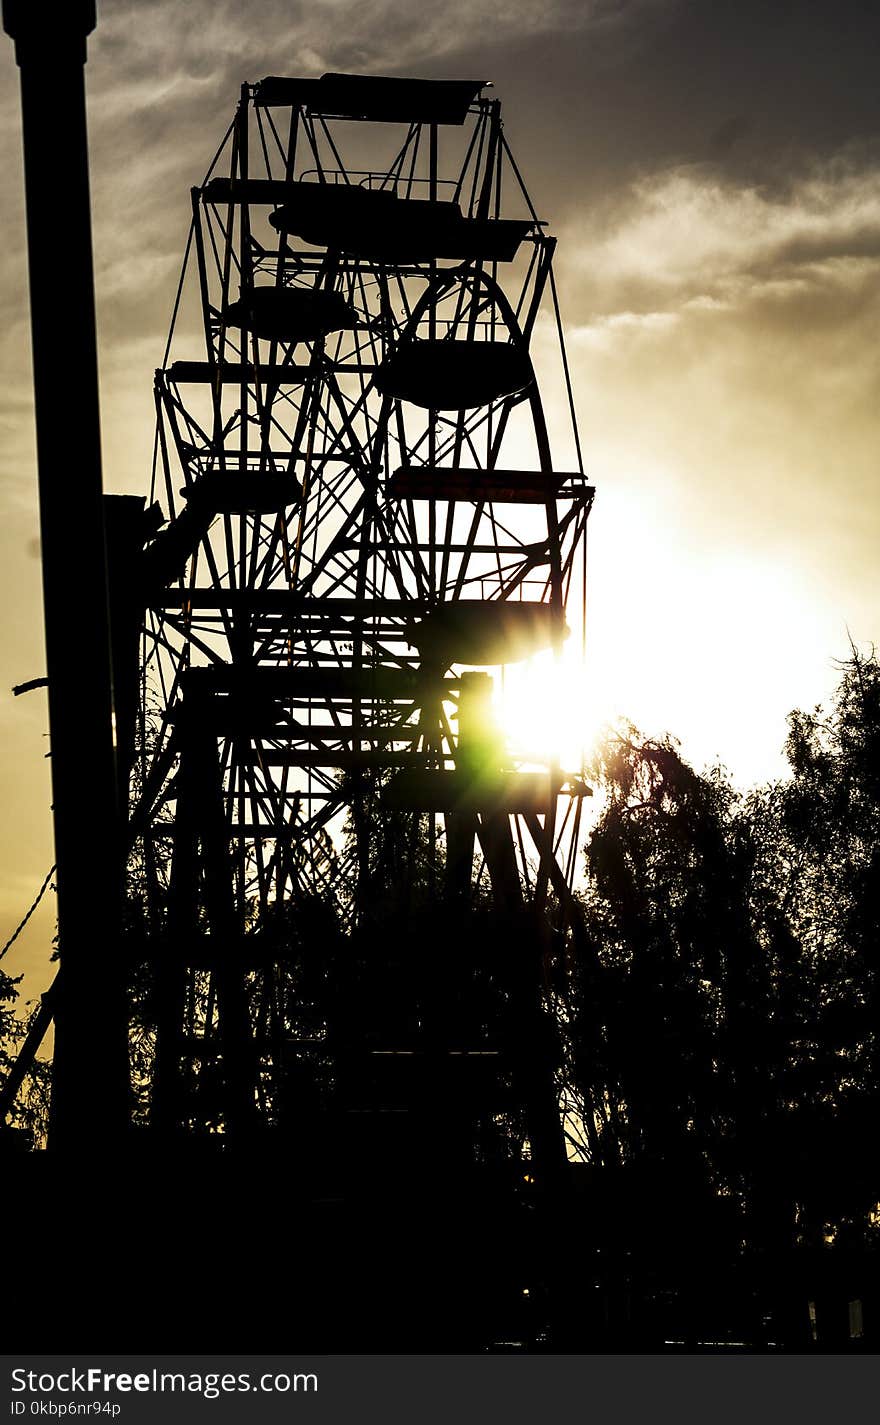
<point x="454" y="375"/>
<point x="377" y="223"/>
<point x="291" y="313"/>
<point x="499" y="631"/>
<point x="374" y="97"/>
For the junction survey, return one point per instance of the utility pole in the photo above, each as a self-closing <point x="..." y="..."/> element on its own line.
<point x="90" y="1075"/>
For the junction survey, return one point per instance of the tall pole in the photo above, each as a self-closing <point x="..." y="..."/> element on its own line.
<point x="90" y="1073"/>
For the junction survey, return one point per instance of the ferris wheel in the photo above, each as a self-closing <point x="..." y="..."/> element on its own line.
<point x="355" y="523"/>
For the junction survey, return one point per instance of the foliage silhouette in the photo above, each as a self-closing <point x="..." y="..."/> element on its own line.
<point x="723" y="1028"/>
<point x="719" y="1021"/>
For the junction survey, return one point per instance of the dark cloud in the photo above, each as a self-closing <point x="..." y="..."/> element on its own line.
<point x="728" y="134"/>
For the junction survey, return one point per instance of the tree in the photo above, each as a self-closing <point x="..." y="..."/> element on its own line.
<point x="28" y="1115"/>
<point x="822" y="864"/>
<point x="680" y="1025"/>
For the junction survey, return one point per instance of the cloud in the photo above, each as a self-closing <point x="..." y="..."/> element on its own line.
<point x="689" y="239"/>
<point x="723" y="347"/>
<point x="153" y="45"/>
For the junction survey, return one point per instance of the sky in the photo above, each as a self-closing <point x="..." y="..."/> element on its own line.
<point x="712" y="172"/>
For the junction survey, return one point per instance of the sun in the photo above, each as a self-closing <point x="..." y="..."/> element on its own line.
<point x="545" y="710"/>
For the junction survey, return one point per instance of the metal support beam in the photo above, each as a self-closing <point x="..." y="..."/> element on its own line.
<point x="90" y="1082"/>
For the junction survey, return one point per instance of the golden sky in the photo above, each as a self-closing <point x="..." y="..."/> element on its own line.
<point x="712" y="171"/>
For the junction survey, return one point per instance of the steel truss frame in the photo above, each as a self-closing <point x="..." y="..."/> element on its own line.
<point x="349" y="535"/>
